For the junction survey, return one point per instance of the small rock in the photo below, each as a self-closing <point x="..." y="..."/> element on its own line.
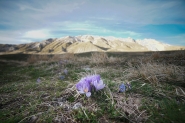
<point x="87" y="69"/>
<point x="60" y="104"/>
<point x="62" y="99"/>
<point x="66" y="107"/>
<point x="77" y="105"/>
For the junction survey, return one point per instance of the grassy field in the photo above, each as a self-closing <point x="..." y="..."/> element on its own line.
<point x="37" y="88"/>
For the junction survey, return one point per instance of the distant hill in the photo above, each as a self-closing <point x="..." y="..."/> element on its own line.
<point x="88" y="43"/>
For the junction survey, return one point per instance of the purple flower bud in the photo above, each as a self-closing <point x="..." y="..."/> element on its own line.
<point x="98" y="84"/>
<point x="38" y="80"/>
<point x="65" y="71"/>
<point x="62" y="77"/>
<point x="122" y="88"/>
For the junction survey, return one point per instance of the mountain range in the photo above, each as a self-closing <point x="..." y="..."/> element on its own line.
<point x="88" y="43"/>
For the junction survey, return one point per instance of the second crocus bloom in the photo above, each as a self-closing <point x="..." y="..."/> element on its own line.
<point x="85" y="84"/>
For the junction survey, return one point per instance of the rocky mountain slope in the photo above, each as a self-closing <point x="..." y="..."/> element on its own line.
<point x="88" y="43"/>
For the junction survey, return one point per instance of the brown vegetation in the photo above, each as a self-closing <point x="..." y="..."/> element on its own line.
<point x="98" y="58"/>
<point x="157" y="67"/>
<point x="49" y="58"/>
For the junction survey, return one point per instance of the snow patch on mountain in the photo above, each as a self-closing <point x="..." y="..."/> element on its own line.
<point x="152" y="44"/>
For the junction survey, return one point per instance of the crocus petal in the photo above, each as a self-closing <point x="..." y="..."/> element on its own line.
<point x="99" y="87"/>
<point x="95" y="78"/>
<point x="100" y="82"/>
<point x="88" y="94"/>
<point x="83" y="86"/>
<point x="81" y="92"/>
<point x="79" y="86"/>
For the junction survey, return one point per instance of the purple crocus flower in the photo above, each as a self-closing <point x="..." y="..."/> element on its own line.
<point x="62" y="77"/>
<point x="38" y="80"/>
<point x="86" y="84"/>
<point x="122" y="88"/>
<point x="65" y="71"/>
<point x="98" y="84"/>
<point x="83" y="86"/>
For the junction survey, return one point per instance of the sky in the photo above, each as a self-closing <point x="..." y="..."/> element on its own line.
<point x="25" y="21"/>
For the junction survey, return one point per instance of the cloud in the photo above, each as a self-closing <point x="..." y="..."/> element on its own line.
<point x="37" y="34"/>
<point x="17" y="37"/>
<point x="102" y="18"/>
<point x="9" y="37"/>
<point x="143" y="11"/>
<point x="25" y="41"/>
<point x="78" y="29"/>
<point x="131" y="33"/>
<point x="84" y="28"/>
<point x="26" y="21"/>
<point x="24" y="7"/>
<point x="36" y="14"/>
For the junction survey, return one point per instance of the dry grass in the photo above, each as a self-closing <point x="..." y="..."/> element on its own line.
<point x="156" y="55"/>
<point x="178" y="55"/>
<point x="115" y="60"/>
<point x="155" y="72"/>
<point x="148" y="68"/>
<point x="158" y="67"/>
<point x="83" y="60"/>
<point x="99" y="58"/>
<point x="129" y="107"/>
<point x="37" y="58"/>
<point x="68" y="56"/>
<point x="47" y="58"/>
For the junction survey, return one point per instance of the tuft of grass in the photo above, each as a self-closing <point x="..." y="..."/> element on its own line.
<point x="36" y="58"/>
<point x="99" y="58"/>
<point x="156" y="72"/>
<point x="50" y="58"/>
